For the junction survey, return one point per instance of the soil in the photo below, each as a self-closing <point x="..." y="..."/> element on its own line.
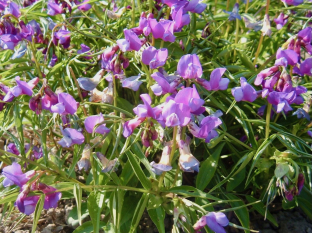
<point x="55" y="221"/>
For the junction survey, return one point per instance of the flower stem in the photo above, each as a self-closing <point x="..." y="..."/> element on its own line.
<point x="267" y="120"/>
<point x="133" y="13"/>
<point x="247" y="5"/>
<point x="236" y="140"/>
<point x="33" y="49"/>
<point x="258" y="49"/>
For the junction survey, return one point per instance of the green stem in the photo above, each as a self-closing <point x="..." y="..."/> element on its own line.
<point x="247" y="5"/>
<point x="258" y="49"/>
<point x="236" y="140"/>
<point x="267" y="120"/>
<point x="133" y="13"/>
<point x="236" y="35"/>
<point x="174" y="145"/>
<point x="32" y="46"/>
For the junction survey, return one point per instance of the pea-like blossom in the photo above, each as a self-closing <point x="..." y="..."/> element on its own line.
<point x="244" y="93"/>
<point x="293" y="2"/>
<point x="206" y="129"/>
<point x="84" y="49"/>
<point x="216" y="82"/>
<point x="130" y="43"/>
<point x="176" y="114"/>
<point x="234" y="14"/>
<point x="66" y="104"/>
<point x="280" y="21"/>
<point x="162" y="29"/>
<point x="289" y="56"/>
<point x="306" y="67"/>
<point x="14" y="175"/>
<point x="165" y="83"/>
<point x="187" y="162"/>
<point x="164" y="163"/>
<point x="71" y="137"/>
<point x="13" y="8"/>
<point x="189" y="66"/>
<point x="84" y="5"/>
<point x="216" y="221"/>
<point x="154" y="57"/>
<point x="54" y="8"/>
<point x="96" y="121"/>
<point x="282" y="100"/>
<point x="132" y="82"/>
<point x="62" y="37"/>
<point x="144" y="27"/>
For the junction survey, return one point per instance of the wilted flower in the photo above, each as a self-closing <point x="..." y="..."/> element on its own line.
<point x="108" y="165"/>
<point x="244" y="93"/>
<point x="266" y="28"/>
<point x="89" y="84"/>
<point x="164" y="163"/>
<point x="187" y="162"/>
<point x="216" y="221"/>
<point x="84" y="162"/>
<point x="256" y="26"/>
<point x="132" y="83"/>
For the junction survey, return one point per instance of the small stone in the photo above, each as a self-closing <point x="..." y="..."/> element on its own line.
<point x="49" y="228"/>
<point x="309" y="230"/>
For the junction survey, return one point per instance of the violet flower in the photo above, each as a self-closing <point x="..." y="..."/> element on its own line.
<point x="14" y="175"/>
<point x="190" y="97"/>
<point x="290" y="56"/>
<point x="12" y="8"/>
<point x="54" y="8"/>
<point x="195" y="6"/>
<point x="143" y="27"/>
<point x="234" y="14"/>
<point x="306" y="67"/>
<point x="154" y="57"/>
<point x="130" y="43"/>
<point x="293" y="2"/>
<point x="301" y="113"/>
<point x="66" y="104"/>
<point x="132" y="83"/>
<point x="281" y="100"/>
<point x="187" y="162"/>
<point x="22" y="88"/>
<point x="180" y="18"/>
<point x="244" y="93"/>
<point x="62" y="37"/>
<point x="9" y="41"/>
<point x="84" y="49"/>
<point x="162" y="29"/>
<point x="207" y="127"/>
<point x="189" y="66"/>
<point x="165" y="83"/>
<point x="164" y="163"/>
<point x="216" y="82"/>
<point x="216" y="221"/>
<point x="52" y="61"/>
<point x="84" y="5"/>
<point x="176" y="114"/>
<point x="93" y="121"/>
<point x="256" y="26"/>
<point x="71" y="137"/>
<point x="280" y="21"/>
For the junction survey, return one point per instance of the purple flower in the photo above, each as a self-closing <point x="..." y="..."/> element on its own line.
<point x="234" y="14"/>
<point x="154" y="57"/>
<point x="93" y="121"/>
<point x="9" y="41"/>
<point x="62" y="37"/>
<point x="143" y="27"/>
<point x="132" y="83"/>
<point x="244" y="93"/>
<point x="84" y="49"/>
<point x="26" y="205"/>
<point x="51" y="197"/>
<point x="306" y="67"/>
<point x="291" y="56"/>
<point x="216" y="82"/>
<point x="190" y="97"/>
<point x="52" y="61"/>
<point x="66" y="104"/>
<point x="164" y="163"/>
<point x="256" y="26"/>
<point x="90" y="84"/>
<point x="280" y="21"/>
<point x="14" y="175"/>
<point x="214" y="220"/>
<point x="180" y="19"/>
<point x="12" y="8"/>
<point x="71" y="137"/>
<point x="301" y="113"/>
<point x="162" y="29"/>
<point x="54" y="8"/>
<point x="84" y="5"/>
<point x="189" y="66"/>
<point x="293" y="2"/>
<point x="281" y="100"/>
<point x="207" y="126"/>
<point x="176" y="114"/>
<point x="12" y="149"/>
<point x="165" y="83"/>
<point x="305" y="35"/>
<point x="264" y="74"/>
<point x="131" y="41"/>
<point x="35" y="103"/>
<point x="22" y="88"/>
<point x="130" y="125"/>
<point x="195" y="6"/>
<point x="187" y="162"/>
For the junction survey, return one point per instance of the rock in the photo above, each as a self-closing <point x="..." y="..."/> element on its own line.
<point x="49" y="228"/>
<point x="309" y="230"/>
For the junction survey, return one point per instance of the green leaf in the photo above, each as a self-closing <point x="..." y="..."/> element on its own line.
<point x="139" y="172"/>
<point x="73" y="218"/>
<point x="95" y="205"/>
<point x="208" y="168"/>
<point x="87" y="227"/>
<point x="139" y="212"/>
<point x="8" y="198"/>
<point x="281" y="170"/>
<point x="241" y="213"/>
<point x="260" y="208"/>
<point x="19" y="128"/>
<point x="37" y="213"/>
<point x="190" y="191"/>
<point x="158" y="217"/>
<point x="236" y="180"/>
<point x="78" y="198"/>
